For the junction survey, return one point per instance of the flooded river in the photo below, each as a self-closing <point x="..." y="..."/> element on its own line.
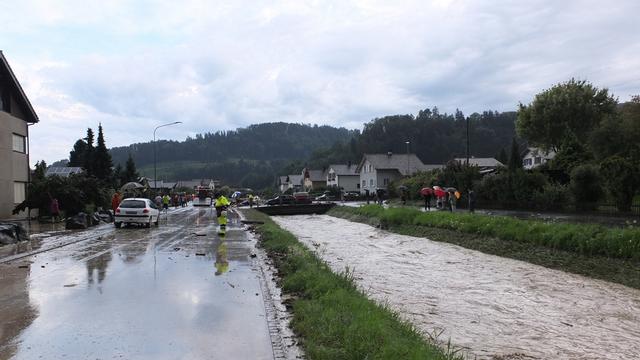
<point x="494" y="307"/>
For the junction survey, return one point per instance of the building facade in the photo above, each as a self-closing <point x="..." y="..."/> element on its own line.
<point x="343" y="176"/>
<point x="535" y="157"/>
<point x="377" y="171"/>
<point x="16" y="114"/>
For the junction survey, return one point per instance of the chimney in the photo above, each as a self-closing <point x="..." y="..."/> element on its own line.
<point x="389" y="154"/>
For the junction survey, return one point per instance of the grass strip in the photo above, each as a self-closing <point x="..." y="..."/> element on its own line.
<point x="519" y="240"/>
<point x="333" y="319"/>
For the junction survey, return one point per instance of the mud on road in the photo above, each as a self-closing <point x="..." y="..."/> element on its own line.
<point x="177" y="291"/>
<point x="494" y="307"/>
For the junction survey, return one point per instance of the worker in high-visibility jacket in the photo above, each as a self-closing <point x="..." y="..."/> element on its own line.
<point x="221" y="205"/>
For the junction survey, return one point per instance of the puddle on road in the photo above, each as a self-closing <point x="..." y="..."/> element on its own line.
<point x="131" y="294"/>
<point x="494" y="307"/>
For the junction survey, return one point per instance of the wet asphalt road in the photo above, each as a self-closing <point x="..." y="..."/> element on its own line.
<point x="177" y="291"/>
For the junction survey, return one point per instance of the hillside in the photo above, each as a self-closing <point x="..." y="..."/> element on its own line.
<point x="250" y="156"/>
<point x="254" y="156"/>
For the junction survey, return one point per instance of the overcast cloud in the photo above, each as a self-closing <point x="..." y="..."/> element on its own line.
<point x="133" y="65"/>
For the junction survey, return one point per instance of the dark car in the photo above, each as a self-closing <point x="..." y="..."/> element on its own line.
<point x="302" y="197"/>
<point x="351" y="196"/>
<point x="281" y="200"/>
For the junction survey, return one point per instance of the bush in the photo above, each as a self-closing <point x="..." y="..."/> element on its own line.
<point x="552" y="197"/>
<point x="622" y="180"/>
<point x="586" y="186"/>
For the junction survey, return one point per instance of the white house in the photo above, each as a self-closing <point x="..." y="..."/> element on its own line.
<point x="486" y="165"/>
<point x="290" y="182"/>
<point x="535" y="157"/>
<point x="343" y="176"/>
<point x="377" y="171"/>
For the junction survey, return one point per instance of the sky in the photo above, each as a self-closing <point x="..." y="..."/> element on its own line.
<point x="220" y="65"/>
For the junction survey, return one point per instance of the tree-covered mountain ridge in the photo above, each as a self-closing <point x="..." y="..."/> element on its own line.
<point x="256" y="155"/>
<point x="266" y="141"/>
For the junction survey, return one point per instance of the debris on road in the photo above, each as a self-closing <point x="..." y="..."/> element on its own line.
<point x="200" y="254"/>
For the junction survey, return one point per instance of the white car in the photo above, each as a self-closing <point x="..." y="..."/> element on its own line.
<point x="137" y="211"/>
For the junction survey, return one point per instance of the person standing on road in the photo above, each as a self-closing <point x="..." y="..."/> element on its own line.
<point x="115" y="201"/>
<point x="472" y="201"/>
<point x="221" y="204"/>
<point x="55" y="209"/>
<point x="452" y="202"/>
<point x="165" y="202"/>
<point x="427" y="202"/>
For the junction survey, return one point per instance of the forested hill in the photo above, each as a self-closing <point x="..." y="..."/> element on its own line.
<point x="240" y="156"/>
<point x="254" y="156"/>
<point x="437" y="138"/>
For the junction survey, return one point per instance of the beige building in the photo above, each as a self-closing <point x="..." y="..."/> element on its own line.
<point x="16" y="114"/>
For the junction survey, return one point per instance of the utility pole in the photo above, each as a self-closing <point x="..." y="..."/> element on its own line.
<point x="155" y="175"/>
<point x="407" y="142"/>
<point x="467" y="141"/>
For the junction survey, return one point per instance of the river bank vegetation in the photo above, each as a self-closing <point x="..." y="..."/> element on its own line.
<point x="333" y="319"/>
<point x="596" y="251"/>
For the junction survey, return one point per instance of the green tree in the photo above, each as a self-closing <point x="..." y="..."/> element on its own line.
<point x="515" y="159"/>
<point x="118" y="176"/>
<point x="130" y="172"/>
<point x="502" y="157"/>
<point x="40" y="171"/>
<point x="89" y="154"/>
<point x="102" y="164"/>
<point x="573" y="108"/>
<point x="78" y="154"/>
<point x="586" y="186"/>
<point x="621" y="178"/>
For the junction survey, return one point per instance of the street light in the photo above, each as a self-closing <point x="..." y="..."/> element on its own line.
<point x="407" y="142"/>
<point x="155" y="175"/>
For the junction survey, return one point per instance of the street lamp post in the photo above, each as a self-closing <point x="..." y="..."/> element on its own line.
<point x="155" y="175"/>
<point x="407" y="142"/>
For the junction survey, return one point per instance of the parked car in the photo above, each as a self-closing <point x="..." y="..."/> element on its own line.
<point x="351" y="196"/>
<point x="325" y="197"/>
<point x="137" y="211"/>
<point x="302" y="197"/>
<point x="282" y="199"/>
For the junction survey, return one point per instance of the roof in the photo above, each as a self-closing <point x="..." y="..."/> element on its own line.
<point x="406" y="164"/>
<point x="480" y="162"/>
<point x="343" y="169"/>
<point x="22" y="99"/>
<point x="295" y="179"/>
<point x="62" y="171"/>
<point x="317" y="175"/>
<point x="195" y="182"/>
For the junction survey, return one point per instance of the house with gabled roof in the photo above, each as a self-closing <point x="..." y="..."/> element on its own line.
<point x="377" y="171"/>
<point x="314" y="179"/>
<point x="16" y="114"/>
<point x="344" y="177"/>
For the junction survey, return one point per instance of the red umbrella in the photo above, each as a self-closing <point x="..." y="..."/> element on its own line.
<point x="439" y="191"/>
<point x="426" y="191"/>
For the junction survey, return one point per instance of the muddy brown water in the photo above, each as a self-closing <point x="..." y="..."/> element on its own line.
<point x="491" y="307"/>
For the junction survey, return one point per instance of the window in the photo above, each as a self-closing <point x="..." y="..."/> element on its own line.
<point x="538" y="160"/>
<point x="527" y="162"/>
<point x="358" y="186"/>
<point x="370" y="182"/>
<point x="19" y="143"/>
<point x="385" y="181"/>
<point x="19" y="192"/>
<point x="364" y="183"/>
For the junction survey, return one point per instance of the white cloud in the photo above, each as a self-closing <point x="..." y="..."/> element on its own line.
<point x="223" y="65"/>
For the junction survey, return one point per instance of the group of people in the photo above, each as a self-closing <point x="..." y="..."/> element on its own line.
<point x="449" y="200"/>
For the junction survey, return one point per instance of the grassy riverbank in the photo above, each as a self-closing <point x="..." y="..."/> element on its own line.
<point x="590" y="250"/>
<point x="333" y="319"/>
